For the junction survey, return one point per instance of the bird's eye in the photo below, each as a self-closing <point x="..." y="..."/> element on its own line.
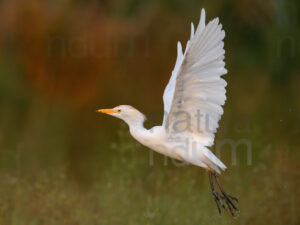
<point x="119" y="110"/>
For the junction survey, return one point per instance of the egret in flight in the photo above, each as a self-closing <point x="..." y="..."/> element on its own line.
<point x="193" y="101"/>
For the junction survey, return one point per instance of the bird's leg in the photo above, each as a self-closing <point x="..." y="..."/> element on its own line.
<point x="226" y="197"/>
<point x="217" y="196"/>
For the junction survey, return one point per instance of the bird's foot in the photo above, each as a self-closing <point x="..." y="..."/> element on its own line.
<point x="218" y="199"/>
<point x="223" y="200"/>
<point x="229" y="202"/>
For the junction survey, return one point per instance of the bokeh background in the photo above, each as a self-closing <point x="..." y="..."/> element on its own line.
<point x="61" y="163"/>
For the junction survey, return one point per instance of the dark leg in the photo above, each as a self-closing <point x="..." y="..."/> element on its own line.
<point x="227" y="198"/>
<point x="216" y="195"/>
<point x="219" y="198"/>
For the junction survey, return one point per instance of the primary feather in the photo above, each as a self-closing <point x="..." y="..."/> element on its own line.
<point x="196" y="84"/>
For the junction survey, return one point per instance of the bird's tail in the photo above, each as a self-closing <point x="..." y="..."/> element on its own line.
<point x="212" y="161"/>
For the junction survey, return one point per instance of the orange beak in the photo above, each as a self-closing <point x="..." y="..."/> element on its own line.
<point x="107" y="111"/>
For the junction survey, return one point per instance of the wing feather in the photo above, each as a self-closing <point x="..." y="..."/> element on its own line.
<point x="196" y="84"/>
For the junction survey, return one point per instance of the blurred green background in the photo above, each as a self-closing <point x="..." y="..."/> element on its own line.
<point x="61" y="163"/>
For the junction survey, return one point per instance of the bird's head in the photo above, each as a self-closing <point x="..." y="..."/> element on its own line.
<point x="125" y="112"/>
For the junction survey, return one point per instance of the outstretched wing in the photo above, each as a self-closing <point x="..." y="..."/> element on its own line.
<point x="196" y="91"/>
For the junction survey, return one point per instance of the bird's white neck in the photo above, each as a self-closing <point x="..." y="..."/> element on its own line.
<point x="137" y="129"/>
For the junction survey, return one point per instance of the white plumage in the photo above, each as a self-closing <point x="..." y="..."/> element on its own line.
<point x="192" y="101"/>
<point x="196" y="84"/>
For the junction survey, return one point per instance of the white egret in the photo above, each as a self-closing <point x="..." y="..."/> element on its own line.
<point x="192" y="104"/>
